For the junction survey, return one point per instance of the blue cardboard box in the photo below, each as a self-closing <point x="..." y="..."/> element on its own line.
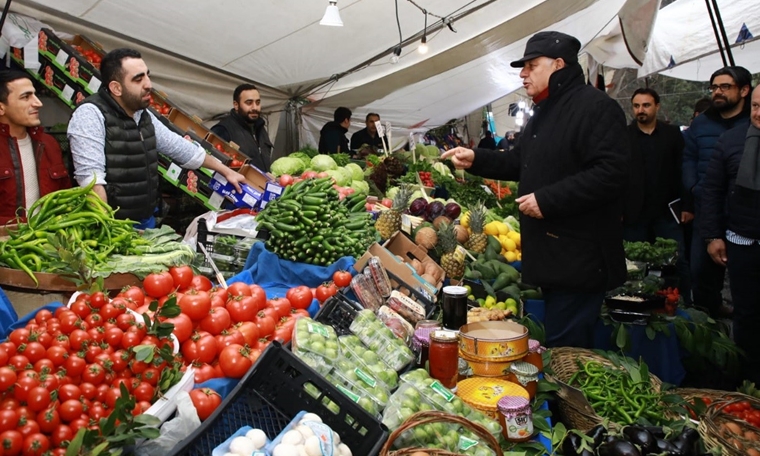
<point x="250" y="198"/>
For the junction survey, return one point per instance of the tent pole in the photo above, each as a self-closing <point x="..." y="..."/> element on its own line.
<point x="719" y="20"/>
<point x="5" y="14"/>
<point x="717" y="35"/>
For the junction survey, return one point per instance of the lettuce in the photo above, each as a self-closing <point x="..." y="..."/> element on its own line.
<point x="303" y="157"/>
<point x="361" y="187"/>
<point x="287" y="165"/>
<point x="356" y="171"/>
<point x="323" y="163"/>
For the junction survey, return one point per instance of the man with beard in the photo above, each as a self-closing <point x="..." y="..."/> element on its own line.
<point x="115" y="141"/>
<point x="245" y="127"/>
<point x="368" y="136"/>
<point x="656" y="153"/>
<point x="730" y="87"/>
<point x="731" y="225"/>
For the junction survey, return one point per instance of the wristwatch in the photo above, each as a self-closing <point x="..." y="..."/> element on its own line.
<point x="708" y="241"/>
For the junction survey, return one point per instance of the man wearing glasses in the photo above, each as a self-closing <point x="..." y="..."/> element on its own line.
<point x="730" y="88"/>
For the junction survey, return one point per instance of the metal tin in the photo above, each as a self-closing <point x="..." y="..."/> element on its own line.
<point x="484" y="393"/>
<point x="498" y="341"/>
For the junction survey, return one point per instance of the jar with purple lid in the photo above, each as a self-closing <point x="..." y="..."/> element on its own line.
<point x="516" y="418"/>
<point x="421" y="343"/>
<point x="535" y="354"/>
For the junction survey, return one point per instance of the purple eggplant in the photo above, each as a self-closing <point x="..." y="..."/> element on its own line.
<point x="418" y="207"/>
<point x="452" y="211"/>
<point x="434" y="210"/>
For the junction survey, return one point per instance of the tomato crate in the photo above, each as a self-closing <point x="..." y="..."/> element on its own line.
<point x="271" y="394"/>
<point x="338" y="312"/>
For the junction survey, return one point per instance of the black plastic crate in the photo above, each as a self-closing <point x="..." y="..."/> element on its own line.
<point x="207" y="237"/>
<point x="338" y="312"/>
<point x="271" y="394"/>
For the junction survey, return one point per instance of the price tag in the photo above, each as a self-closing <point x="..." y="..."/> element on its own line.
<point x="94" y="84"/>
<point x="61" y="58"/>
<point x="67" y="92"/>
<point x="32" y="56"/>
<point x="446" y="394"/>
<point x="215" y="200"/>
<point x="318" y="329"/>
<point x="488" y="190"/>
<point x="173" y="172"/>
<point x="380" y="129"/>
<point x="324" y="435"/>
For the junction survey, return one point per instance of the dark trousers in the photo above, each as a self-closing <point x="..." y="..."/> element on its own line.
<point x="570" y="317"/>
<point x="664" y="226"/>
<point x="744" y="279"/>
<point x="706" y="275"/>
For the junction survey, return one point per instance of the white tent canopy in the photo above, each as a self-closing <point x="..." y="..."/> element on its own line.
<point x="198" y="51"/>
<point x="683" y="43"/>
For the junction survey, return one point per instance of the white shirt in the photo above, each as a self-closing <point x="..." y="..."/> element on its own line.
<point x="29" y="168"/>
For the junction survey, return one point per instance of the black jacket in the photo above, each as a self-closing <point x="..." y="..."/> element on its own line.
<point x="362" y="137"/>
<point x="332" y="137"/>
<point x="252" y="139"/>
<point x="131" y="160"/>
<point x="726" y="206"/>
<point x="655" y="172"/>
<point x="487" y="143"/>
<point x="573" y="155"/>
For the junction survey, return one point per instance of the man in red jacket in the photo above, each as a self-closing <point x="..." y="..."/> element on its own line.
<point x="31" y="164"/>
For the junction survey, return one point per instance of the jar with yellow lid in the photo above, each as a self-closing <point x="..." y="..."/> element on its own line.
<point x="525" y="375"/>
<point x="535" y="354"/>
<point x="483" y="394"/>
<point x="516" y="418"/>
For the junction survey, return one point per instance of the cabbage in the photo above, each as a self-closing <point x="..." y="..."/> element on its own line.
<point x="341" y="176"/>
<point x="287" y="165"/>
<point x="442" y="168"/>
<point x="361" y="187"/>
<point x="357" y="173"/>
<point x="432" y="151"/>
<point x="303" y="157"/>
<point x="391" y="192"/>
<point x="323" y="163"/>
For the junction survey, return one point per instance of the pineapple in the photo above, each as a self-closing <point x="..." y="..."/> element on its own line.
<point x="451" y="262"/>
<point x="390" y="221"/>
<point x="478" y="240"/>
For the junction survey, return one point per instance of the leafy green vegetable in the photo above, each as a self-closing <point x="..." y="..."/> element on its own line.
<point x="341" y="159"/>
<point x="662" y="252"/>
<point x="323" y="163"/>
<point x="357" y="173"/>
<point x="305" y="158"/>
<point x="287" y="165"/>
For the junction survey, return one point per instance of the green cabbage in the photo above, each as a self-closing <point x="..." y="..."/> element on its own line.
<point x="323" y="163"/>
<point x="357" y="173"/>
<point x="442" y="168"/>
<point x="391" y="192"/>
<point x="287" y="165"/>
<point x="303" y="157"/>
<point x="341" y="176"/>
<point x="360" y="186"/>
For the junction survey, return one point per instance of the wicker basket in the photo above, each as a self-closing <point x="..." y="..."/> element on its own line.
<point x="729" y="443"/>
<point x="421" y="418"/>
<point x="564" y="365"/>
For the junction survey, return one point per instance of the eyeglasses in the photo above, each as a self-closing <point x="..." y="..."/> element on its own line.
<point x="722" y="87"/>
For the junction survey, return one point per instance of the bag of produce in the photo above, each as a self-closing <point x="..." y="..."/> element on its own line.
<point x="396" y="323"/>
<point x="316" y="344"/>
<point x="378" y="338"/>
<point x="353" y="351"/>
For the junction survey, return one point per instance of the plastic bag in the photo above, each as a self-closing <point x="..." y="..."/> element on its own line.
<point x="173" y="431"/>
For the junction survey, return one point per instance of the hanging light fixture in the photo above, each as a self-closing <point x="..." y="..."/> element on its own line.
<point x="332" y="15"/>
<point x="395" y="55"/>
<point x="521" y="104"/>
<point x="423" y="48"/>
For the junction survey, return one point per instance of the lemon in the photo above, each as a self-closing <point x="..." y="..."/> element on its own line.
<point x="490" y="300"/>
<point x="464" y="220"/>
<point x="491" y="229"/>
<point x="515" y="237"/>
<point x="510" y="245"/>
<point x="519" y="256"/>
<point x="511" y="257"/>
<point x="501" y="305"/>
<point x="503" y="228"/>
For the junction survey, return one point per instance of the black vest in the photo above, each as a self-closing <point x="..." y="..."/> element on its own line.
<point x="253" y="139"/>
<point x="131" y="160"/>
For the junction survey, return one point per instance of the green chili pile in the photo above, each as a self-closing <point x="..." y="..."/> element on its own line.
<point x="623" y="395"/>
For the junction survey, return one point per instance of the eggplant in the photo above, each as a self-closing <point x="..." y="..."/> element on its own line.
<point x="418" y="207"/>
<point x="598" y="433"/>
<point x="640" y="437"/>
<point x="664" y="446"/>
<point x="656" y="431"/>
<point x="433" y="210"/>
<point x="571" y="444"/>
<point x="452" y="210"/>
<point x="687" y="441"/>
<point x="618" y="448"/>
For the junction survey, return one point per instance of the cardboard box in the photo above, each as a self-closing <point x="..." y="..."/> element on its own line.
<point x="255" y="177"/>
<point x="229" y="149"/>
<point x="250" y="197"/>
<point x="187" y="123"/>
<point x="54" y="79"/>
<point x="402" y="246"/>
<point x="272" y="191"/>
<point x="66" y="58"/>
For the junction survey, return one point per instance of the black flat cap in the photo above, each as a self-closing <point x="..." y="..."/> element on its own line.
<point x="550" y="44"/>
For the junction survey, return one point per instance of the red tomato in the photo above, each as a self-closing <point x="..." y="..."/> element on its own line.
<point x="81" y="308"/>
<point x="300" y="297"/>
<point x="265" y="324"/>
<point x="201" y="283"/>
<point x="12" y="441"/>
<point x="281" y="305"/>
<point x="70" y="410"/>
<point x="62" y="433"/>
<point x="35" y="444"/>
<point x="18" y="362"/>
<point x="238" y="289"/>
<point x="158" y="285"/>
<point x="134" y="294"/>
<point x="283" y="334"/>
<point x="216" y="321"/>
<point x="259" y="296"/>
<point x="125" y="320"/>
<point x="242" y="308"/>
<point x="67" y="392"/>
<point x="23" y="386"/>
<point x="7" y="378"/>
<point x="9" y="419"/>
<point x="183" y="327"/>
<point x="221" y="293"/>
<point x="79" y="339"/>
<point x="182" y="277"/>
<point x="112" y="395"/>
<point x="250" y="332"/>
<point x="195" y="304"/>
<point x="38" y="398"/>
<point x="201" y="348"/>
<point x="203" y="372"/>
<point x="326" y="291"/>
<point x="94" y="373"/>
<point x="205" y="401"/>
<point x="341" y="278"/>
<point x="110" y="311"/>
<point x="19" y="336"/>
<point x="227" y="338"/>
<point x="144" y="392"/>
<point x="114" y="336"/>
<point x="48" y="420"/>
<point x="234" y="361"/>
<point x="98" y="299"/>
<point x="271" y="313"/>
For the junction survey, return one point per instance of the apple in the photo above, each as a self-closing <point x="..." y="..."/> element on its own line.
<point x="387" y="202"/>
<point x="285" y="180"/>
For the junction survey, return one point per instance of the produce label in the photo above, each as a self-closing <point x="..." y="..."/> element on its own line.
<point x="447" y="395"/>
<point x="365" y="377"/>
<point x="519" y="426"/>
<point x="324" y="434"/>
<point x="466" y="443"/>
<point x="318" y="329"/>
<point x="354" y="397"/>
<point x="61" y="58"/>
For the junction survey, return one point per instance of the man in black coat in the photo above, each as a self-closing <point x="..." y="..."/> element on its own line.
<point x="245" y="127"/>
<point x="332" y="137"/>
<point x="730" y="225"/>
<point x="571" y="162"/>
